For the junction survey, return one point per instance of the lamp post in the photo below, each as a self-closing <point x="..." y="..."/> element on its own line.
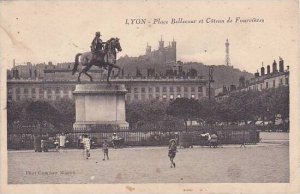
<point x="210" y="79"/>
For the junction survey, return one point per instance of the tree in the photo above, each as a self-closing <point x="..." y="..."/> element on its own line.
<point x="133" y="115"/>
<point x="145" y="112"/>
<point x="283" y="104"/>
<point x="14" y="110"/>
<point x="184" y="109"/>
<point x="66" y="109"/>
<point x="16" y="115"/>
<point x="41" y="112"/>
<point x="153" y="111"/>
<point x="208" y="111"/>
<point x="277" y="100"/>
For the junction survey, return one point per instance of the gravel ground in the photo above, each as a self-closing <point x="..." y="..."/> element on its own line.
<point x="262" y="163"/>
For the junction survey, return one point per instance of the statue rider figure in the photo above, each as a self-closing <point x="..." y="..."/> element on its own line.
<point x="96" y="46"/>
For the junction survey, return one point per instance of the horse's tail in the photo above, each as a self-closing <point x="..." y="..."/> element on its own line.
<point x="76" y="63"/>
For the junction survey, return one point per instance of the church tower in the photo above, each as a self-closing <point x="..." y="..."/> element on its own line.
<point x="161" y="44"/>
<point x="173" y="44"/>
<point x="148" y="49"/>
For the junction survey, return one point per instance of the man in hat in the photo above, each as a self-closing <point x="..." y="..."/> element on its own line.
<point x="96" y="46"/>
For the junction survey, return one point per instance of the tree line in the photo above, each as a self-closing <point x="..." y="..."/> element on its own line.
<point x="238" y="107"/>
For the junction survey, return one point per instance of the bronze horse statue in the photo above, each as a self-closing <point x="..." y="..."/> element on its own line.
<point x="105" y="59"/>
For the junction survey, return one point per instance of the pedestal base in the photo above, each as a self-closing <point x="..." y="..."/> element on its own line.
<point x="100" y="107"/>
<point x="99" y="127"/>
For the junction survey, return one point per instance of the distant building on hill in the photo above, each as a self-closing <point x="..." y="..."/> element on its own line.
<point x="163" y="55"/>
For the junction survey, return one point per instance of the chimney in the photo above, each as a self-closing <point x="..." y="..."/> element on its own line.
<point x="274" y="67"/>
<point x="268" y="69"/>
<point x="224" y="90"/>
<point x="262" y="70"/>
<point x="242" y="82"/>
<point x="247" y="83"/>
<point x="256" y="75"/>
<point x="232" y="87"/>
<point x="281" y="65"/>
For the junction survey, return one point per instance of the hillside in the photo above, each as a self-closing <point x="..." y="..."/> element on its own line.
<point x="222" y="75"/>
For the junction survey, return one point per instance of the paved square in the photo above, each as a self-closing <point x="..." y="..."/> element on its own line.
<point x="263" y="163"/>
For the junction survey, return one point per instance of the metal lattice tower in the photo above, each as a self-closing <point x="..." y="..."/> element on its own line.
<point x="227" y="58"/>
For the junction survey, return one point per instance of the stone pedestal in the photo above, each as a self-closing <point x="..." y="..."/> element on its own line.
<point x="99" y="106"/>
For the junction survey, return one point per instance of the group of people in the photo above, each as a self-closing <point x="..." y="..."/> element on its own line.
<point x="87" y="146"/>
<point x="211" y="138"/>
<point x="42" y="143"/>
<point x="86" y="141"/>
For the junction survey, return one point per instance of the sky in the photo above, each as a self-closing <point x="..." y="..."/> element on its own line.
<point x="42" y="31"/>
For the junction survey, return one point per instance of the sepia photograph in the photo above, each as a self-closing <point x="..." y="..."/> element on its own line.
<point x="149" y="96"/>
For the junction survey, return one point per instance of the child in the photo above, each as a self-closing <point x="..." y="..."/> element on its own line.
<point x="105" y="150"/>
<point x="172" y="152"/>
<point x="87" y="145"/>
<point x="214" y="140"/>
<point x="56" y="143"/>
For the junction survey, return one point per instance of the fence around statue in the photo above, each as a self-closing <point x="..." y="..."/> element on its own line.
<point x="141" y="138"/>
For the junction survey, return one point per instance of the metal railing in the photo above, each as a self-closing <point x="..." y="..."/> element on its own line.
<point x="139" y="138"/>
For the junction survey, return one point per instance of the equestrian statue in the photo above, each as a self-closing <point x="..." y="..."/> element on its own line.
<point x="99" y="56"/>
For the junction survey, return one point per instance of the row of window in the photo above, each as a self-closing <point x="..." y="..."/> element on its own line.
<point x="267" y="85"/>
<point x="40" y="90"/>
<point x="134" y="89"/>
<point x="157" y="96"/>
<point x="49" y="97"/>
<point x="163" y="89"/>
<point x="128" y="97"/>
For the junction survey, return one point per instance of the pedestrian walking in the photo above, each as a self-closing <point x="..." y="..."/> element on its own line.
<point x="62" y="140"/>
<point x="87" y="146"/>
<point x="243" y="144"/>
<point x="105" y="149"/>
<point x="172" y="152"/>
<point x="214" y="140"/>
<point x="56" y="142"/>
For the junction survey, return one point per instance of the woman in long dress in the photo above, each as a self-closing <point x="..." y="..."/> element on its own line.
<point x="87" y="145"/>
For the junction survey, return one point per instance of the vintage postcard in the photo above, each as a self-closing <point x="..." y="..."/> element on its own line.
<point x="149" y="96"/>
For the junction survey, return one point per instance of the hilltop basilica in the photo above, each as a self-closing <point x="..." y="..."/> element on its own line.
<point x="163" y="56"/>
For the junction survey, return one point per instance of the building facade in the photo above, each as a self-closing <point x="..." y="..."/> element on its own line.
<point x="269" y="79"/>
<point x="138" y="89"/>
<point x="264" y="80"/>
